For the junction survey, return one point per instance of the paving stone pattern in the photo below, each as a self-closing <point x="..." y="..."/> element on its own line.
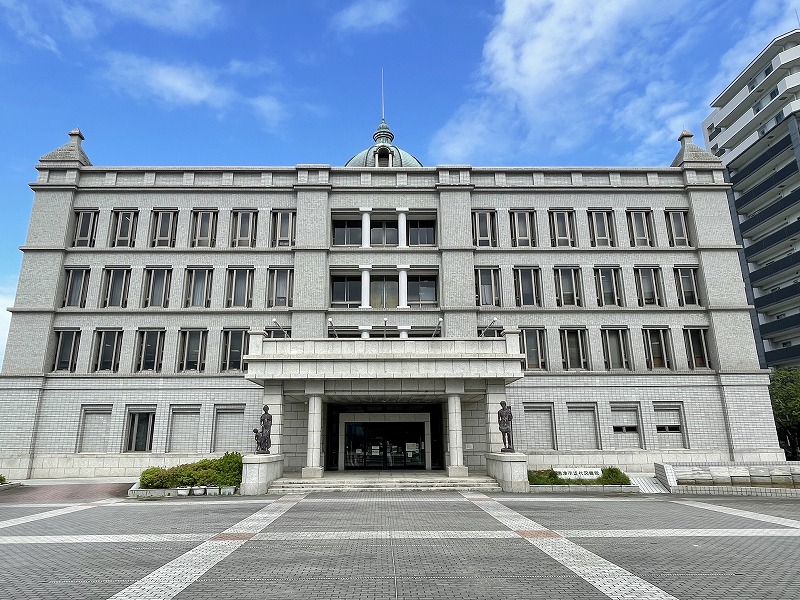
<point x="466" y="546"/>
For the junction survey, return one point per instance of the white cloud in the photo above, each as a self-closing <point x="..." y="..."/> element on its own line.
<point x="182" y="16"/>
<point x="369" y="14"/>
<point x="26" y="26"/>
<point x="269" y="110"/>
<point x="79" y="20"/>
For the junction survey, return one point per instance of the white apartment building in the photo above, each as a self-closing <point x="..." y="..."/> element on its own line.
<point x="382" y="310"/>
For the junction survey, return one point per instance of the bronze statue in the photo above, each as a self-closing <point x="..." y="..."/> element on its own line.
<point x="504" y="418"/>
<point x="263" y="437"/>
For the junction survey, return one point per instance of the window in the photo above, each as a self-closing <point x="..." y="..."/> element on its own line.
<point x="422" y="232"/>
<point x="140" y="431"/>
<point x="616" y="354"/>
<point x="66" y="356"/>
<point x="198" y="287"/>
<point x="648" y="286"/>
<point x="383" y="233"/>
<point x="676" y="228"/>
<point x="346" y="232"/>
<point x="204" y="229"/>
<point x="383" y="291"/>
<point x="346" y="291"/>
<point x="532" y="343"/>
<point x="562" y="228"/>
<point x="523" y="229"/>
<point x="527" y="286"/>
<point x="243" y="228"/>
<point x="149" y="350"/>
<point x="487" y="287"/>
<point x="483" y="228"/>
<point x="234" y="348"/>
<point x="239" y="290"/>
<point x="183" y="427"/>
<point x="608" y="283"/>
<point x="281" y="282"/>
<point x="574" y="349"/>
<point x="123" y="228"/>
<point x="95" y="429"/>
<point x="568" y="286"/>
<point x="669" y="425"/>
<point x="696" y="347"/>
<point x="625" y="424"/>
<point x="156" y="287"/>
<point x="283" y="228"/>
<point x="75" y="287"/>
<point x="85" y="228"/>
<point x="581" y="430"/>
<point x="107" y="346"/>
<point x="601" y="228"/>
<point x="686" y="284"/>
<point x="422" y="290"/>
<point x="115" y="288"/>
<point x="640" y="228"/>
<point x="657" y="350"/>
<point x="192" y="350"/>
<point x="384" y="157"/>
<point x="163" y="228"/>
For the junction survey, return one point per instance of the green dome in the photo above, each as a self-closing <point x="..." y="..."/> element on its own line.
<point x="383" y="148"/>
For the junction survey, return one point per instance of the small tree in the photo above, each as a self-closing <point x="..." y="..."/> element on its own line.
<point x="784" y="389"/>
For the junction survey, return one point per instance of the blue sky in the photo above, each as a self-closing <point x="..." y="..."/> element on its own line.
<point x="270" y="82"/>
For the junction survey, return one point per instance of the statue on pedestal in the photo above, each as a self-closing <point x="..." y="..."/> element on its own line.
<point x="263" y="436"/>
<point x="504" y="418"/>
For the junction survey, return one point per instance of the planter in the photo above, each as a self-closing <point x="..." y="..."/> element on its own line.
<point x="227" y="490"/>
<point x="212" y="490"/>
<point x="198" y="490"/>
<point x="183" y="491"/>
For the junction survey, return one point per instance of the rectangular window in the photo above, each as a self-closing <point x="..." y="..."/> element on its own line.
<point x="523" y="229"/>
<point x="107" y="346"/>
<point x="608" y="284"/>
<point x="568" y="286"/>
<point x="243" y="228"/>
<point x="487" y="287"/>
<point x="483" y="228"/>
<point x="601" y="228"/>
<point x="696" y="347"/>
<point x="123" y="228"/>
<point x="184" y="424"/>
<point x="281" y="284"/>
<point x="421" y="232"/>
<point x="234" y="348"/>
<point x="149" y="350"/>
<point x="163" y="227"/>
<point x="231" y="433"/>
<point x="239" y="289"/>
<point x="422" y="290"/>
<point x="669" y="425"/>
<point x="625" y="424"/>
<point x="95" y="429"/>
<point x="574" y="349"/>
<point x="581" y="430"/>
<point x="192" y="350"/>
<point x="657" y="348"/>
<point x="640" y="228"/>
<point x="676" y="228"/>
<point x="527" y="286"/>
<point x="66" y="355"/>
<point x="346" y="232"/>
<point x="198" y="287"/>
<point x="541" y="433"/>
<point x="686" y="284"/>
<point x="283" y="228"/>
<point x="204" y="229"/>
<point x="383" y="291"/>
<point x="346" y="291"/>
<point x="383" y="233"/>
<point x="616" y="353"/>
<point x="532" y="343"/>
<point x="115" y="288"/>
<point x="140" y="431"/>
<point x="75" y="287"/>
<point x="156" y="287"/>
<point x="85" y="228"/>
<point x="562" y="228"/>
<point x="648" y="286"/>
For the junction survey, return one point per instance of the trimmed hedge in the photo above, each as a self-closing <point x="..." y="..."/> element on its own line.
<point x="2" y="479"/>
<point x="609" y="476"/>
<point x="226" y="470"/>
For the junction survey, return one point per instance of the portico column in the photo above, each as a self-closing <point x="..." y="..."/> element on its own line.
<point x="455" y="447"/>
<point x="402" y="286"/>
<point x="365" y="269"/>
<point x="365" y="227"/>
<point x="402" y="231"/>
<point x="313" y="466"/>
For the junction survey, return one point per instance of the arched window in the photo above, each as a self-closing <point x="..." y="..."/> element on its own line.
<point x="383" y="157"/>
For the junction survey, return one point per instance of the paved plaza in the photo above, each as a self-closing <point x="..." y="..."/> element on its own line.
<point x="73" y="541"/>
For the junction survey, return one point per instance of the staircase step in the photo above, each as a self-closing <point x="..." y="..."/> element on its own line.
<point x="287" y="485"/>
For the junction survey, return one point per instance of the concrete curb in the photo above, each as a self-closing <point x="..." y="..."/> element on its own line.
<point x="585" y="489"/>
<point x="8" y="486"/>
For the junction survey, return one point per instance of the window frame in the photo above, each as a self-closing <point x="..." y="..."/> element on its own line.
<point x="142" y="341"/>
<point x="383" y="226"/>
<point x="72" y="349"/>
<point x="617" y="291"/>
<point x="133" y="427"/>
<point x="116" y="240"/>
<point x="675" y="240"/>
<point x="273" y="286"/>
<point x="278" y="219"/>
<point x="657" y="286"/>
<point x="664" y="339"/>
<point x="684" y="275"/>
<point x="526" y="218"/>
<point x="238" y="239"/>
<point x="580" y="335"/>
<point x="640" y="227"/>
<point x="539" y="336"/>
<point x="157" y="225"/>
<point x="190" y="291"/>
<point x="562" y="218"/>
<point x="228" y="349"/>
<point x="411" y="228"/>
<point x="147" y="287"/>
<point x="350" y="229"/>
<point x="85" y="234"/>
<point x="71" y="284"/>
<point x="573" y="275"/>
<point x="352" y="291"/>
<point x="484" y="228"/>
<point x="184" y="341"/>
<point x="415" y="300"/>
<point x="608" y="335"/>
<point x="534" y="280"/>
<point x="99" y="359"/>
<point x="692" y="345"/>
<point x="493" y="283"/>
<point x="232" y="284"/>
<point x="110" y="276"/>
<point x="203" y="219"/>
<point x="607" y="219"/>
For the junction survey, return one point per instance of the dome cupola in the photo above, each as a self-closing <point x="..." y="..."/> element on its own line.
<point x="383" y="153"/>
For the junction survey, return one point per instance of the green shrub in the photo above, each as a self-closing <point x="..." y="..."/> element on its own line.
<point x="2" y="479"/>
<point x="609" y="476"/>
<point x="613" y="476"/>
<point x="154" y="477"/>
<point x="545" y="477"/>
<point x="226" y="470"/>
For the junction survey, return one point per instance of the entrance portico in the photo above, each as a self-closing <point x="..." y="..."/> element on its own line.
<point x="384" y="403"/>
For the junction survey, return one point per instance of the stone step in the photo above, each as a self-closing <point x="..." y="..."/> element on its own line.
<point x="287" y="485"/>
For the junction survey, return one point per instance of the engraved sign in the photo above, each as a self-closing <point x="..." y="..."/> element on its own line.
<point x="578" y="472"/>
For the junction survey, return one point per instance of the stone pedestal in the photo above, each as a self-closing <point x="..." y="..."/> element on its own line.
<point x="457" y="471"/>
<point x="311" y="472"/>
<point x="510" y="469"/>
<point x="258" y="471"/>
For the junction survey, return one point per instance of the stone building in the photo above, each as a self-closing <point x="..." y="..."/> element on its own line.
<point x="382" y="310"/>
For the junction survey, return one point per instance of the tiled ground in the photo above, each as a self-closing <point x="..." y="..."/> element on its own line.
<point x="404" y="546"/>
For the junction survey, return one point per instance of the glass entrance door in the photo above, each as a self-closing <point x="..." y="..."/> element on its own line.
<point x="381" y="445"/>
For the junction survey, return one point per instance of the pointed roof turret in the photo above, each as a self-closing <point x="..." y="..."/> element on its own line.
<point x="70" y="153"/>
<point x="690" y="153"/>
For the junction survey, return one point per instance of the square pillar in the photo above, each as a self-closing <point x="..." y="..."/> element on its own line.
<point x="313" y="466"/>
